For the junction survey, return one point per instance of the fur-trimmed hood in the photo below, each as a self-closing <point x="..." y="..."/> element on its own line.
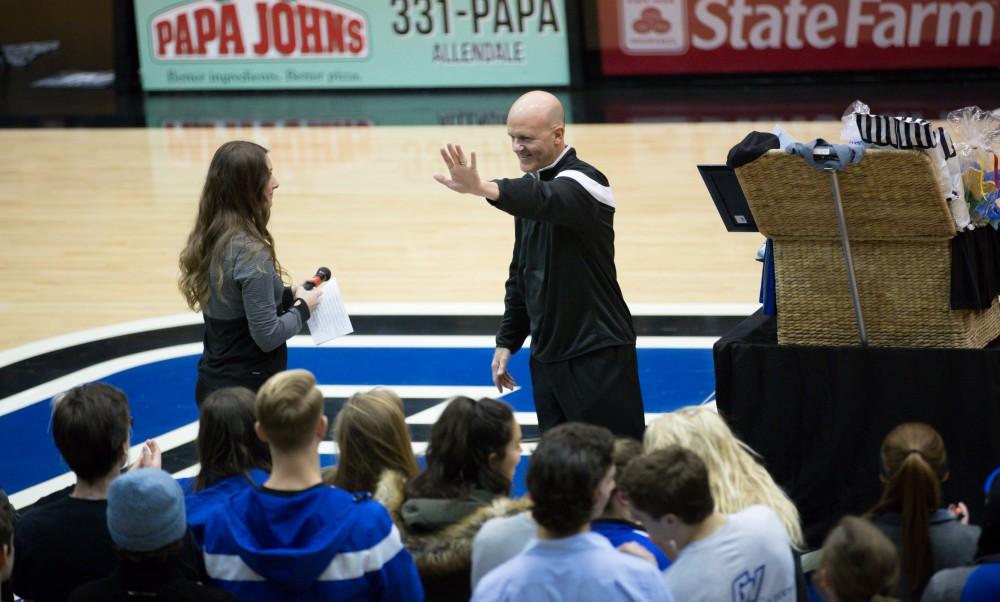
<point x="447" y="550"/>
<point x="389" y="491"/>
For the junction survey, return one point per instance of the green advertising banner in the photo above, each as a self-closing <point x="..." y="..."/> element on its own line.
<point x="286" y="44"/>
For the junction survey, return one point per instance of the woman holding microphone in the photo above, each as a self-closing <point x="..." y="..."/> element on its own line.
<point x="230" y="272"/>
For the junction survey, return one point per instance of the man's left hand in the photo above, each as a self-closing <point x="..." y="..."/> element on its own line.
<point x="464" y="177"/>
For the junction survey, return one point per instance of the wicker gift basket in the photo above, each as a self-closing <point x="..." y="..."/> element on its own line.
<point x="900" y="233"/>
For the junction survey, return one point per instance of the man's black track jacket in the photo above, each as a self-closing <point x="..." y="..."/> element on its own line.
<point x="562" y="286"/>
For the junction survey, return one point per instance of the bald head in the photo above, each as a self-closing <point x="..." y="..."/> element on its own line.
<point x="536" y="124"/>
<point x="540" y="105"/>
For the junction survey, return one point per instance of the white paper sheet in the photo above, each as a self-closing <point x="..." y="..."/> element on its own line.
<point x="329" y="320"/>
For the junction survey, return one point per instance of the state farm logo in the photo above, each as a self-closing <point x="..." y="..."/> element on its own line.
<point x="674" y="26"/>
<point x="654" y="26"/>
<point x="259" y="29"/>
<point x="651" y="20"/>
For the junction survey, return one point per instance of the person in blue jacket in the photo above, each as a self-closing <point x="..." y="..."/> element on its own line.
<point x="615" y="522"/>
<point x="231" y="456"/>
<point x="295" y="538"/>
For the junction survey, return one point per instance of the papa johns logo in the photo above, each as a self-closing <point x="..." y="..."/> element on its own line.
<point x="258" y="29"/>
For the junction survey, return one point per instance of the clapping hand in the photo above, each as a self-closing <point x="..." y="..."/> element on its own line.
<point x="150" y="456"/>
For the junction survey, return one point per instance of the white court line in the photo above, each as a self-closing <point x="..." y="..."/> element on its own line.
<point x="45" y="391"/>
<point x="431" y="414"/>
<point x="329" y="448"/>
<point x="479" y="341"/>
<point x="409" y="391"/>
<point x="531" y="418"/>
<point x="399" y="340"/>
<point x="21" y="352"/>
<point x="167" y="441"/>
<point x="190" y="471"/>
<point x="675" y="342"/>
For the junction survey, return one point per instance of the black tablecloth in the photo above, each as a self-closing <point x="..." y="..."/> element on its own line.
<point x="818" y="415"/>
<point x="975" y="268"/>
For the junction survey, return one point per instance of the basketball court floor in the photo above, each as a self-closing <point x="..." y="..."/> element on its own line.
<point x="92" y="220"/>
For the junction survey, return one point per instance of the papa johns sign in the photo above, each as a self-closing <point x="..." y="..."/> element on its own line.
<point x="261" y="29"/>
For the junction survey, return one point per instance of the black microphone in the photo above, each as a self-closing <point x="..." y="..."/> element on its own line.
<point x="322" y="275"/>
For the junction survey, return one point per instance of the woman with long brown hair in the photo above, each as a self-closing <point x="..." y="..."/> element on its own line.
<point x="374" y="447"/>
<point x="474" y="450"/>
<point x="229" y="271"/>
<point x="231" y="455"/>
<point x="227" y="443"/>
<point x="928" y="537"/>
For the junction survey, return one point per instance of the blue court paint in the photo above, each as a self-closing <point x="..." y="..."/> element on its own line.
<point x="161" y="397"/>
<point x="162" y="393"/>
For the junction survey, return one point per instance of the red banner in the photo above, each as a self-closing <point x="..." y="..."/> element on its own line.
<point x="753" y="36"/>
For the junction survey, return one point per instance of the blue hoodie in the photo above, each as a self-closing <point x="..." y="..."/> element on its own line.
<point x="318" y="544"/>
<point x="621" y="531"/>
<point x="199" y="505"/>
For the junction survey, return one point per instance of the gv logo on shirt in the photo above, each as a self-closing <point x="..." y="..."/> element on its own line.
<point x="746" y="587"/>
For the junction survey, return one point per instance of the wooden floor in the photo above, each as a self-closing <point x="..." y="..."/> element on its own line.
<point x="92" y="220"/>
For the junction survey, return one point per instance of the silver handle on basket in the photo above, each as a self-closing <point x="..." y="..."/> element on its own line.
<point x="846" y="244"/>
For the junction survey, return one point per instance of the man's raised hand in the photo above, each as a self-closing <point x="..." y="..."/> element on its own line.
<point x="463" y="175"/>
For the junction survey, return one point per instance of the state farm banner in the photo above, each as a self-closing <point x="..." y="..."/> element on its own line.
<point x="735" y="36"/>
<point x="256" y="44"/>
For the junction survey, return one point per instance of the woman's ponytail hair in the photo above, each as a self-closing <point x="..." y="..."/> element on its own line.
<point x="913" y="465"/>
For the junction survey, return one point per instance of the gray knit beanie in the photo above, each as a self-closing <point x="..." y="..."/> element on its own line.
<point x="145" y="510"/>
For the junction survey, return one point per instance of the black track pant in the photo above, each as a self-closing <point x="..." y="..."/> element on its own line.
<point x="601" y="387"/>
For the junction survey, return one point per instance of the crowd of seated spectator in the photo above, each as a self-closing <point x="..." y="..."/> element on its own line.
<point x="65" y="543"/>
<point x="570" y="480"/>
<point x="690" y="514"/>
<point x="500" y="539"/>
<point x="145" y="518"/>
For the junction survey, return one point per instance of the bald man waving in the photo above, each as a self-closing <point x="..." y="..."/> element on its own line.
<point x="562" y="287"/>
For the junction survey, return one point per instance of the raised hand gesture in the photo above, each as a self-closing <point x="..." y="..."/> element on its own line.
<point x="463" y="175"/>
